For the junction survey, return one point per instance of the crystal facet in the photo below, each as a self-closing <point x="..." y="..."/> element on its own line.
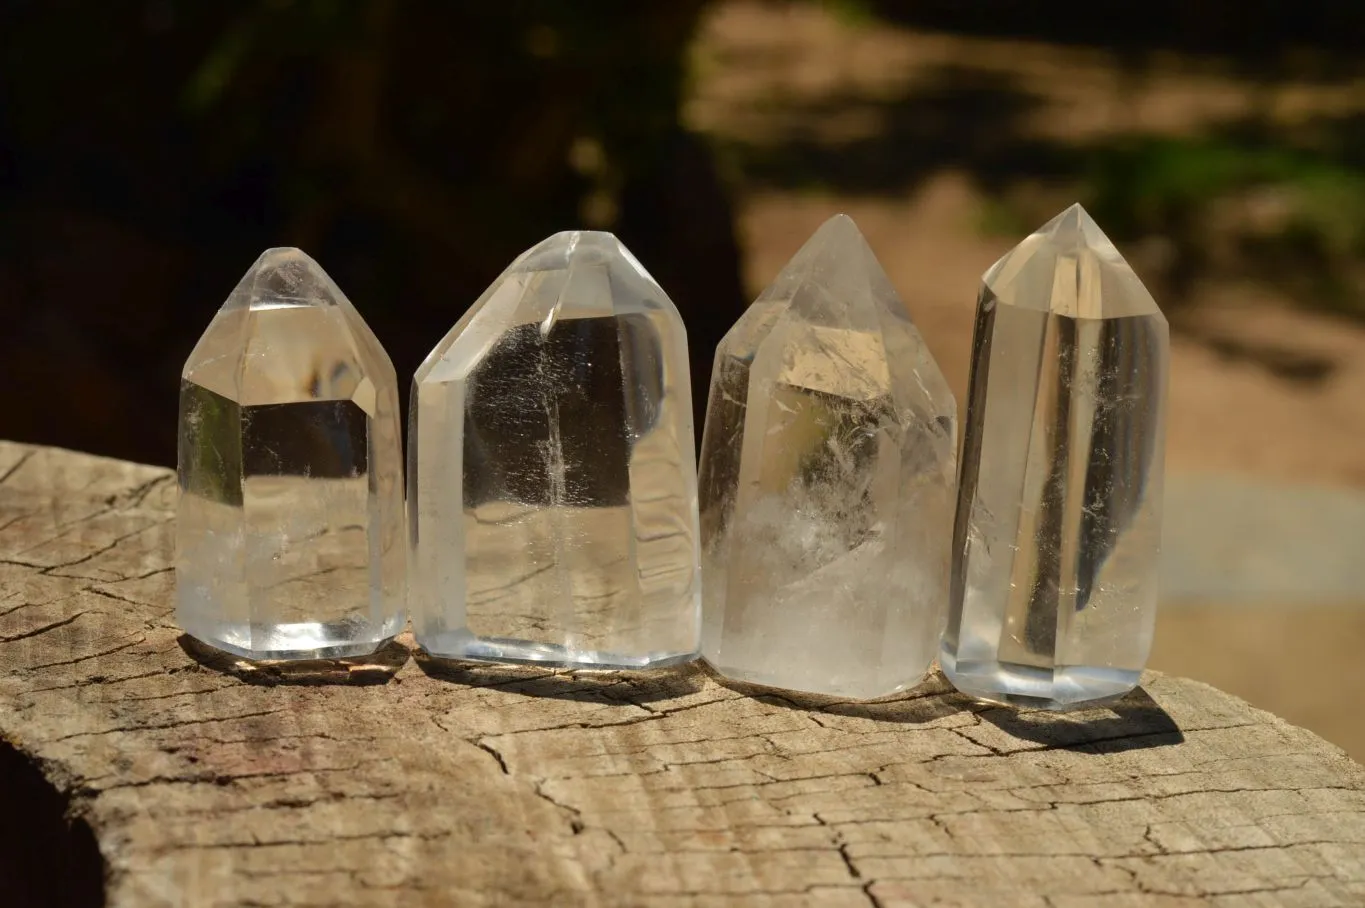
<point x="827" y="475"/>
<point x="1058" y="520"/>
<point x="553" y="479"/>
<point x="289" y="528"/>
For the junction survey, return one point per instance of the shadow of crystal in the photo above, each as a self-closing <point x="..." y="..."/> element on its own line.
<point x="1132" y="722"/>
<point x="376" y="668"/>
<point x="931" y="699"/>
<point x="609" y="688"/>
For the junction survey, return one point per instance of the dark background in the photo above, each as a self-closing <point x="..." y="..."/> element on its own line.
<point x="150" y="149"/>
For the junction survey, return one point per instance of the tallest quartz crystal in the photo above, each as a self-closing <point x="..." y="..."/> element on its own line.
<point x="1059" y="506"/>
<point x="553" y="493"/>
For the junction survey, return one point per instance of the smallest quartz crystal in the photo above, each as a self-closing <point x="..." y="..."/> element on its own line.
<point x="289" y="530"/>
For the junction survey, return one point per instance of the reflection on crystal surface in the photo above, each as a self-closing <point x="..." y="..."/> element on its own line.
<point x="1058" y="523"/>
<point x="552" y="474"/>
<point x="290" y="522"/>
<point x="826" y="482"/>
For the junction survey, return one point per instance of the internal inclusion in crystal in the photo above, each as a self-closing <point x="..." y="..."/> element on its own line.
<point x="289" y="526"/>
<point x="1058" y="523"/>
<point x="826" y="482"/>
<point x="552" y="473"/>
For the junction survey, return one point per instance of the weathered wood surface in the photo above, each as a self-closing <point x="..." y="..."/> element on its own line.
<point x="205" y="782"/>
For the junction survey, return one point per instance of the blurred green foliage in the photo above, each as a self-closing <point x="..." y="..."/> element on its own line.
<point x="1259" y="205"/>
<point x="1278" y="203"/>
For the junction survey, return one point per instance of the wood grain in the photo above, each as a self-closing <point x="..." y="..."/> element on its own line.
<point x="208" y="781"/>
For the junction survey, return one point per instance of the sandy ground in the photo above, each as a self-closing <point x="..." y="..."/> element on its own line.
<point x="1299" y="662"/>
<point x="759" y="69"/>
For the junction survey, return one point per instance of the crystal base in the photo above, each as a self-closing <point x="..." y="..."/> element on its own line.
<point x="301" y="640"/>
<point x="846" y="687"/>
<point x="462" y="645"/>
<point x="1065" y="687"/>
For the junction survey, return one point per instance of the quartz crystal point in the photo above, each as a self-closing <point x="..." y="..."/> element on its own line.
<point x="289" y="528"/>
<point x="1059" y="506"/>
<point x="827" y="475"/>
<point x="553" y="480"/>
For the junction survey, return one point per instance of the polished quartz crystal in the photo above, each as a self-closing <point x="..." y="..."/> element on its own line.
<point x="827" y="475"/>
<point x="552" y="474"/>
<point x="1059" y="508"/>
<point x="289" y="530"/>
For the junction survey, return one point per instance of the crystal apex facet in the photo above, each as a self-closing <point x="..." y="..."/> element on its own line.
<point x="1069" y="268"/>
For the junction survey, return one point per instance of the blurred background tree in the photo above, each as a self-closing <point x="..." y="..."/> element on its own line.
<point x="150" y="149"/>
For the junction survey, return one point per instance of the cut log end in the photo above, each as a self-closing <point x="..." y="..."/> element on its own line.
<point x="140" y="769"/>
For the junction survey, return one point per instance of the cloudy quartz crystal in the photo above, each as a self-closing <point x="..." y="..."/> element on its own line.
<point x="827" y="474"/>
<point x="1059" y="514"/>
<point x="553" y="479"/>
<point x="289" y="527"/>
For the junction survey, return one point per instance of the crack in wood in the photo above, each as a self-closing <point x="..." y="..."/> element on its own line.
<point x="617" y="789"/>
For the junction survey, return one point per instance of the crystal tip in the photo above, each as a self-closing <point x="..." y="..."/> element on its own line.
<point x="1069" y="267"/>
<point x="283" y="258"/>
<point x="838" y="227"/>
<point x="1075" y="229"/>
<point x="577" y="247"/>
<point x="838" y="236"/>
<point x="285" y="273"/>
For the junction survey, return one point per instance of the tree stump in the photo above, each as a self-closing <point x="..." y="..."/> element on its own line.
<point x="138" y="769"/>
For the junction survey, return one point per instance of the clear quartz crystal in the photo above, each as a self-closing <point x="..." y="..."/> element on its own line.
<point x="553" y="480"/>
<point x="827" y="475"/>
<point x="1059" y="511"/>
<point x="289" y="530"/>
